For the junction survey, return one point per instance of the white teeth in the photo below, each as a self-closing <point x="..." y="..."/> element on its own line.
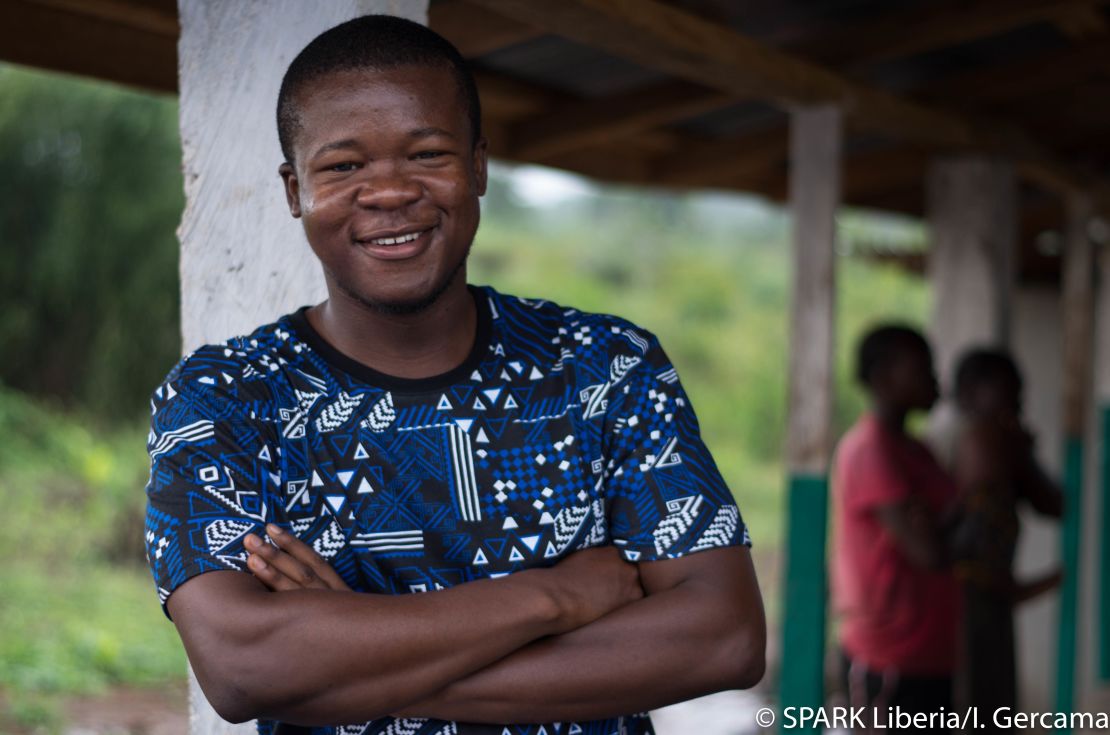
<point x="396" y="240"/>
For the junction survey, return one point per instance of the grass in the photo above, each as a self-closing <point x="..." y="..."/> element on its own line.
<point x="78" y="612"/>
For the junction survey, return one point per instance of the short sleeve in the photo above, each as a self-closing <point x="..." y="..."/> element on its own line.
<point x="212" y="476"/>
<point x="665" y="497"/>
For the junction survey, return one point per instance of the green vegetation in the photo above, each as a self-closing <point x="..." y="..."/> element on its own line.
<point x="89" y="284"/>
<point x="78" y="612"/>
<point x="88" y="320"/>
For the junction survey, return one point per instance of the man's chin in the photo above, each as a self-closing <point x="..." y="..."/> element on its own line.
<point x="407" y="303"/>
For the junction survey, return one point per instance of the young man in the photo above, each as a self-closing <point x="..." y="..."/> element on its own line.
<point x="996" y="469"/>
<point x="534" y="472"/>
<point x="892" y="583"/>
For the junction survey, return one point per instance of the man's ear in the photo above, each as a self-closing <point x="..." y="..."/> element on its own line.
<point x="292" y="188"/>
<point x="480" y="163"/>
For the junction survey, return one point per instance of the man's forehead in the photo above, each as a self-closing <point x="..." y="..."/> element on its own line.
<point x="419" y="81"/>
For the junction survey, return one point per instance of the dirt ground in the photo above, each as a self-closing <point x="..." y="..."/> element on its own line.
<point x="130" y="712"/>
<point x="122" y="711"/>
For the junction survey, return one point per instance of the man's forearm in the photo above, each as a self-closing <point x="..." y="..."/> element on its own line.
<point x="671" y="646"/>
<point x="318" y="657"/>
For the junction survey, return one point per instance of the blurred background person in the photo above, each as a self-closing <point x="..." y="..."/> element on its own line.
<point x="892" y="583"/>
<point x="991" y="456"/>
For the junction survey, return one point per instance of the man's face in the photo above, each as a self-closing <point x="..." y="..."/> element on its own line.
<point x="910" y="380"/>
<point x="386" y="182"/>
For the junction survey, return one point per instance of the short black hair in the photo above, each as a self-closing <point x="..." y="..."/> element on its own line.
<point x="374" y="43"/>
<point x="985" y="365"/>
<point x="881" y="345"/>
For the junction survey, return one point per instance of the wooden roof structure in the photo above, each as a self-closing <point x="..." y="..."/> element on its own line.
<point x="697" y="93"/>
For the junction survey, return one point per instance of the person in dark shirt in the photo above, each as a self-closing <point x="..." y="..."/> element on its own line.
<point x="997" y="471"/>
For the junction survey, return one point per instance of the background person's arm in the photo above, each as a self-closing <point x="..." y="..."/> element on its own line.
<point x="1035" y="485"/>
<point x="318" y="657"/>
<point x="916" y="533"/>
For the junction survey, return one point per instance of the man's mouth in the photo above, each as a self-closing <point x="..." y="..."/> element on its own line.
<point x="398" y="240"/>
<point x="396" y="244"/>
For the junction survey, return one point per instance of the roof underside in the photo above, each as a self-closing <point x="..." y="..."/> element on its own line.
<point x="696" y="93"/>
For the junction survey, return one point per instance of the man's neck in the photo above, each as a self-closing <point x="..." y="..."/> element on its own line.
<point x="892" y="418"/>
<point x="424" y="344"/>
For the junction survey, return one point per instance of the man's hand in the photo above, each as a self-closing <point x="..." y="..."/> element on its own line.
<point x="587" y="584"/>
<point x="290" y="564"/>
<point x="592" y="583"/>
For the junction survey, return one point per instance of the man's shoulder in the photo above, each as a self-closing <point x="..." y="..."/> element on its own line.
<point x="567" y="326"/>
<point x="240" y="369"/>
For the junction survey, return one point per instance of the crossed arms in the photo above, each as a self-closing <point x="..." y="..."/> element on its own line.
<point x="591" y="637"/>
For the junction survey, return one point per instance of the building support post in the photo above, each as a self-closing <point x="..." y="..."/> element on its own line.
<point x="1078" y="330"/>
<point x="1102" y="388"/>
<point x="816" y="138"/>
<point x="972" y="218"/>
<point x="244" y="260"/>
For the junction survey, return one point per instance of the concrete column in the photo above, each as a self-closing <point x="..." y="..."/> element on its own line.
<point x="1098" y="551"/>
<point x="1077" y="327"/>
<point x="972" y="220"/>
<point x="1037" y="346"/>
<point x="244" y="260"/>
<point x="816" y="140"/>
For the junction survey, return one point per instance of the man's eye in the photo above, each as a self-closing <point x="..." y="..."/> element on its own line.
<point x="425" y="155"/>
<point x="343" y="167"/>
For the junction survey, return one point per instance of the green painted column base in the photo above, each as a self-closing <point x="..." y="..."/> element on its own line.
<point x="803" y="625"/>
<point x="1069" y="590"/>
<point x="1104" y="566"/>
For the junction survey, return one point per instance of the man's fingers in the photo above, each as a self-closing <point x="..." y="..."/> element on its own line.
<point x="306" y="555"/>
<point x="269" y="576"/>
<point x="298" y="574"/>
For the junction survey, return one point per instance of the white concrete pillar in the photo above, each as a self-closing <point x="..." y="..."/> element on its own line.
<point x="244" y="260"/>
<point x="1037" y="345"/>
<point x="816" y="140"/>
<point x="816" y="144"/>
<point x="1077" y="284"/>
<point x="1095" y="695"/>
<point x="972" y="218"/>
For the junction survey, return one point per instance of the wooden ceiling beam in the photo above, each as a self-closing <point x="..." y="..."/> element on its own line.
<point x="154" y="16"/>
<point x="659" y="36"/>
<point x="474" y="30"/>
<point x="90" y="45"/>
<point x="591" y="123"/>
<point x="1021" y="78"/>
<point x="1082" y="22"/>
<point x="510" y="100"/>
<point x="721" y="162"/>
<point x="665" y="38"/>
<point x="931" y="27"/>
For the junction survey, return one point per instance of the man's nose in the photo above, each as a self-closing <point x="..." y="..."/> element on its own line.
<point x="387" y="187"/>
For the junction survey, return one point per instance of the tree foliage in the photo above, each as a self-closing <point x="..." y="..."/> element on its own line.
<point x="92" y="195"/>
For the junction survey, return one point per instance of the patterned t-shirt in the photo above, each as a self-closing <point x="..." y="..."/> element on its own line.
<point x="560" y="431"/>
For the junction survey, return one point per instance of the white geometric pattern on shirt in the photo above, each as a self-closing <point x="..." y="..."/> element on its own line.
<point x="381" y="415"/>
<point x="220" y="533"/>
<point x="338" y="412"/>
<point x="720" y="530"/>
<point x="330" y="542"/>
<point x="680" y="516"/>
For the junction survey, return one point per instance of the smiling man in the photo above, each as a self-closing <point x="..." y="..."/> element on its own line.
<point x="487" y="514"/>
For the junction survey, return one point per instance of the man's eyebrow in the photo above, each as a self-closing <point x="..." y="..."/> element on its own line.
<point x="335" y="145"/>
<point x="429" y="132"/>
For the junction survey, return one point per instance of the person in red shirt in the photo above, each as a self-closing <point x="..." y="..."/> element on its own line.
<point x="893" y="586"/>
